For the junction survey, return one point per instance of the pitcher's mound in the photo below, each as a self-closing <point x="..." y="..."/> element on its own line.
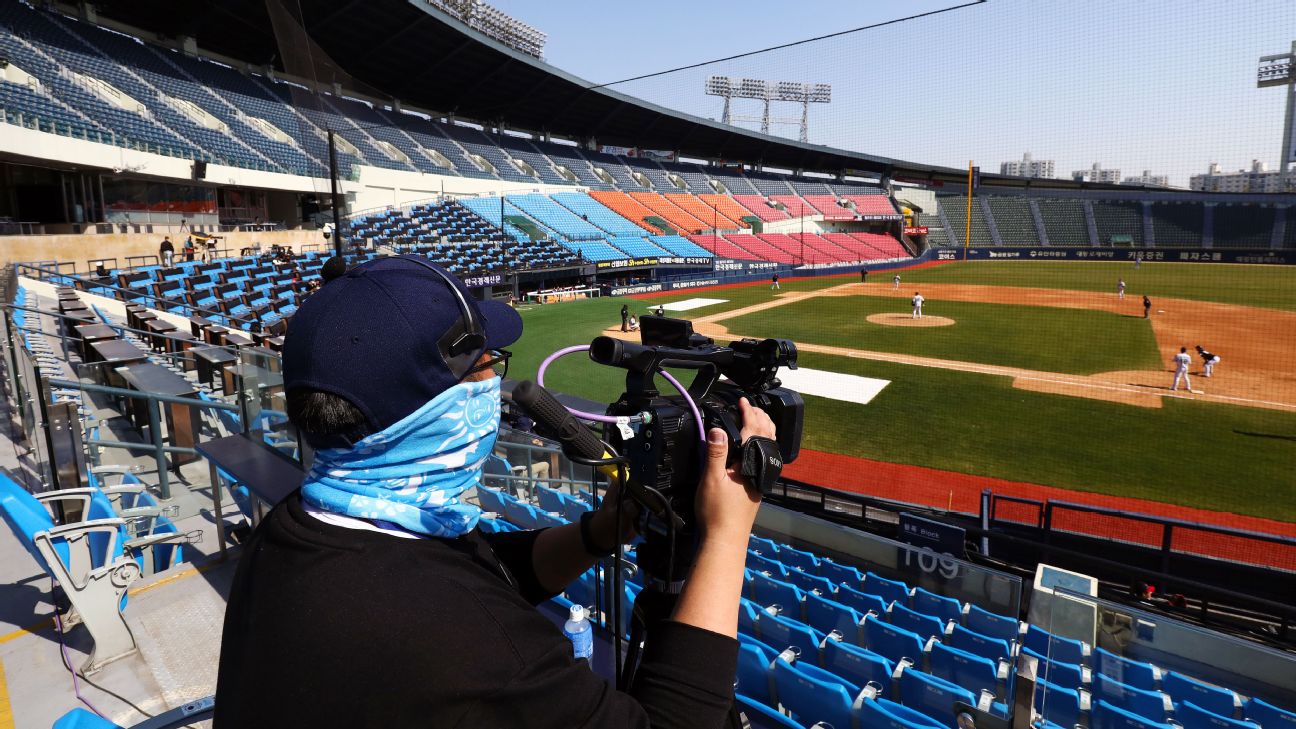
<point x="907" y="320"/>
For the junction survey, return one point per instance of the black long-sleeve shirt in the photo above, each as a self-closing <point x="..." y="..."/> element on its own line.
<point x="334" y="627"/>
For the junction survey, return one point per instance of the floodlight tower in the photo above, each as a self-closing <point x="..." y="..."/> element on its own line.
<point x="1280" y="70"/>
<point x="805" y="94"/>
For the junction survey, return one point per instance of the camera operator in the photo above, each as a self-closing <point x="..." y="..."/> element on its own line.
<point x="369" y="597"/>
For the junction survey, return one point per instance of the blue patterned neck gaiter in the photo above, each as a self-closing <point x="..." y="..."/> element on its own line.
<point x="412" y="473"/>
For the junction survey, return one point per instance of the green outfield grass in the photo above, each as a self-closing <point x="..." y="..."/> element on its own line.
<point x="1210" y="456"/>
<point x="1049" y="339"/>
<point x="1272" y="287"/>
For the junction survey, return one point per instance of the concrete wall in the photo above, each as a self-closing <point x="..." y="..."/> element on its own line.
<point x="379" y="187"/>
<point x="91" y="246"/>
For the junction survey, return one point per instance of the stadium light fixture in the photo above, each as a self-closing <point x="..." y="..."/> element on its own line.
<point x="1280" y="70"/>
<point x="805" y="94"/>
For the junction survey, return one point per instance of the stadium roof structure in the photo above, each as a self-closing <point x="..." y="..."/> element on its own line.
<point x="412" y="51"/>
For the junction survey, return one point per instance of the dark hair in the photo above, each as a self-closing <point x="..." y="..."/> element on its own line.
<point x="319" y="414"/>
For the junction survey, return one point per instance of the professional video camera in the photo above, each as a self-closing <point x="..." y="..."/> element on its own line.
<point x="663" y="437"/>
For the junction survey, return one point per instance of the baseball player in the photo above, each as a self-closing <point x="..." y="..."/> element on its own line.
<point x="895" y="282"/>
<point x="1181" y="362"/>
<point x="1208" y="361"/>
<point x="625" y="317"/>
<point x="917" y="305"/>
<point x="1147" y="307"/>
<point x="1120" y="289"/>
<point x="774" y="284"/>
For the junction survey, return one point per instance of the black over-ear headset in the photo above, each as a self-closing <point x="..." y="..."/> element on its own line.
<point x="465" y="342"/>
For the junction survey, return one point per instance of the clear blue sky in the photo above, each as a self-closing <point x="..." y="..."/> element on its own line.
<point x="1133" y="84"/>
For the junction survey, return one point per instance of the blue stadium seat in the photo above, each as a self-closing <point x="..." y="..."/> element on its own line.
<point x="766" y="716"/>
<point x="767" y="591"/>
<point x="887" y="714"/>
<point x="1192" y="716"/>
<point x="780" y="633"/>
<point x="840" y="574"/>
<point x="812" y="694"/>
<point x="827" y="615"/>
<point x="945" y="608"/>
<point x="972" y="672"/>
<point x="754" y="659"/>
<point x="1055" y="647"/>
<point x="1152" y="705"/>
<point x="1267" y="715"/>
<point x="747" y="616"/>
<point x="490" y="500"/>
<point x="1211" y="698"/>
<point x="861" y="601"/>
<point x="932" y="695"/>
<point x="860" y="666"/>
<point x="809" y="582"/>
<point x="1060" y="673"/>
<point x="799" y="559"/>
<point x="889" y="590"/>
<point x="492" y="525"/>
<point x="767" y="547"/>
<point x="583" y="590"/>
<point x="1059" y="706"/>
<point x="1103" y="715"/>
<point x="915" y="622"/>
<point x="891" y="641"/>
<point x="1131" y="673"/>
<point x="520" y="513"/>
<point x="758" y="562"/>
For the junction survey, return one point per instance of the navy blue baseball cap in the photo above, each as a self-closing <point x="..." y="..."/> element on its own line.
<point x="371" y="336"/>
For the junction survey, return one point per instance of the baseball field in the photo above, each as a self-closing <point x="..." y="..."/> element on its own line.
<point x="1021" y="373"/>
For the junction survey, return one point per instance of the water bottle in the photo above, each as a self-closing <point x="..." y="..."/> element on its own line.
<point x="580" y="633"/>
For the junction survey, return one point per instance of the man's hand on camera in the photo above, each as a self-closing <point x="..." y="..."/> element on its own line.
<point x="726" y="504"/>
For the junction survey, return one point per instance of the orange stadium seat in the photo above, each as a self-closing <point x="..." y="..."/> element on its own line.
<point x="729" y="207"/>
<point x="706" y="212"/>
<point x="760" y="208"/>
<point x="683" y="221"/>
<point x="627" y="207"/>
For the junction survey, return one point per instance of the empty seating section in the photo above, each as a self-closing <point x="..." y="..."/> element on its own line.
<point x="728" y="207"/>
<point x="1177" y="225"/>
<point x="704" y="211"/>
<point x="872" y="204"/>
<point x="1243" y="226"/>
<point x="902" y="658"/>
<point x="761" y="208"/>
<point x="566" y="224"/>
<point x="820" y="250"/>
<point x="764" y="249"/>
<point x="1013" y="217"/>
<point x="622" y="204"/>
<point x="679" y="246"/>
<point x="1118" y="219"/>
<point x="680" y="219"/>
<point x="1064" y="221"/>
<point x="724" y="248"/>
<point x="827" y="206"/>
<point x="956" y="209"/>
<point x="795" y="206"/>
<point x="598" y="214"/>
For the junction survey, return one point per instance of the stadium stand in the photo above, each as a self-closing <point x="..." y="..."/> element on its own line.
<point x="1013" y="217"/>
<point x="663" y="208"/>
<point x="1064" y="221"/>
<point x="708" y="213"/>
<point x="956" y="209"/>
<point x="1177" y="225"/>
<point x="794" y="205"/>
<point x="761" y="208"/>
<point x="878" y="204"/>
<point x="630" y="208"/>
<point x="1118" y="219"/>
<point x="1243" y="226"/>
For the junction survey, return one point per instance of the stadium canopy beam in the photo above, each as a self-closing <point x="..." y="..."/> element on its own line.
<point x="386" y="41"/>
<point x="532" y="90"/>
<point x="327" y="20"/>
<point x="436" y="65"/>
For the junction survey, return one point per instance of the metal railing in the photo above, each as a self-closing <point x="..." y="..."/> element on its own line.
<point x="157" y="444"/>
